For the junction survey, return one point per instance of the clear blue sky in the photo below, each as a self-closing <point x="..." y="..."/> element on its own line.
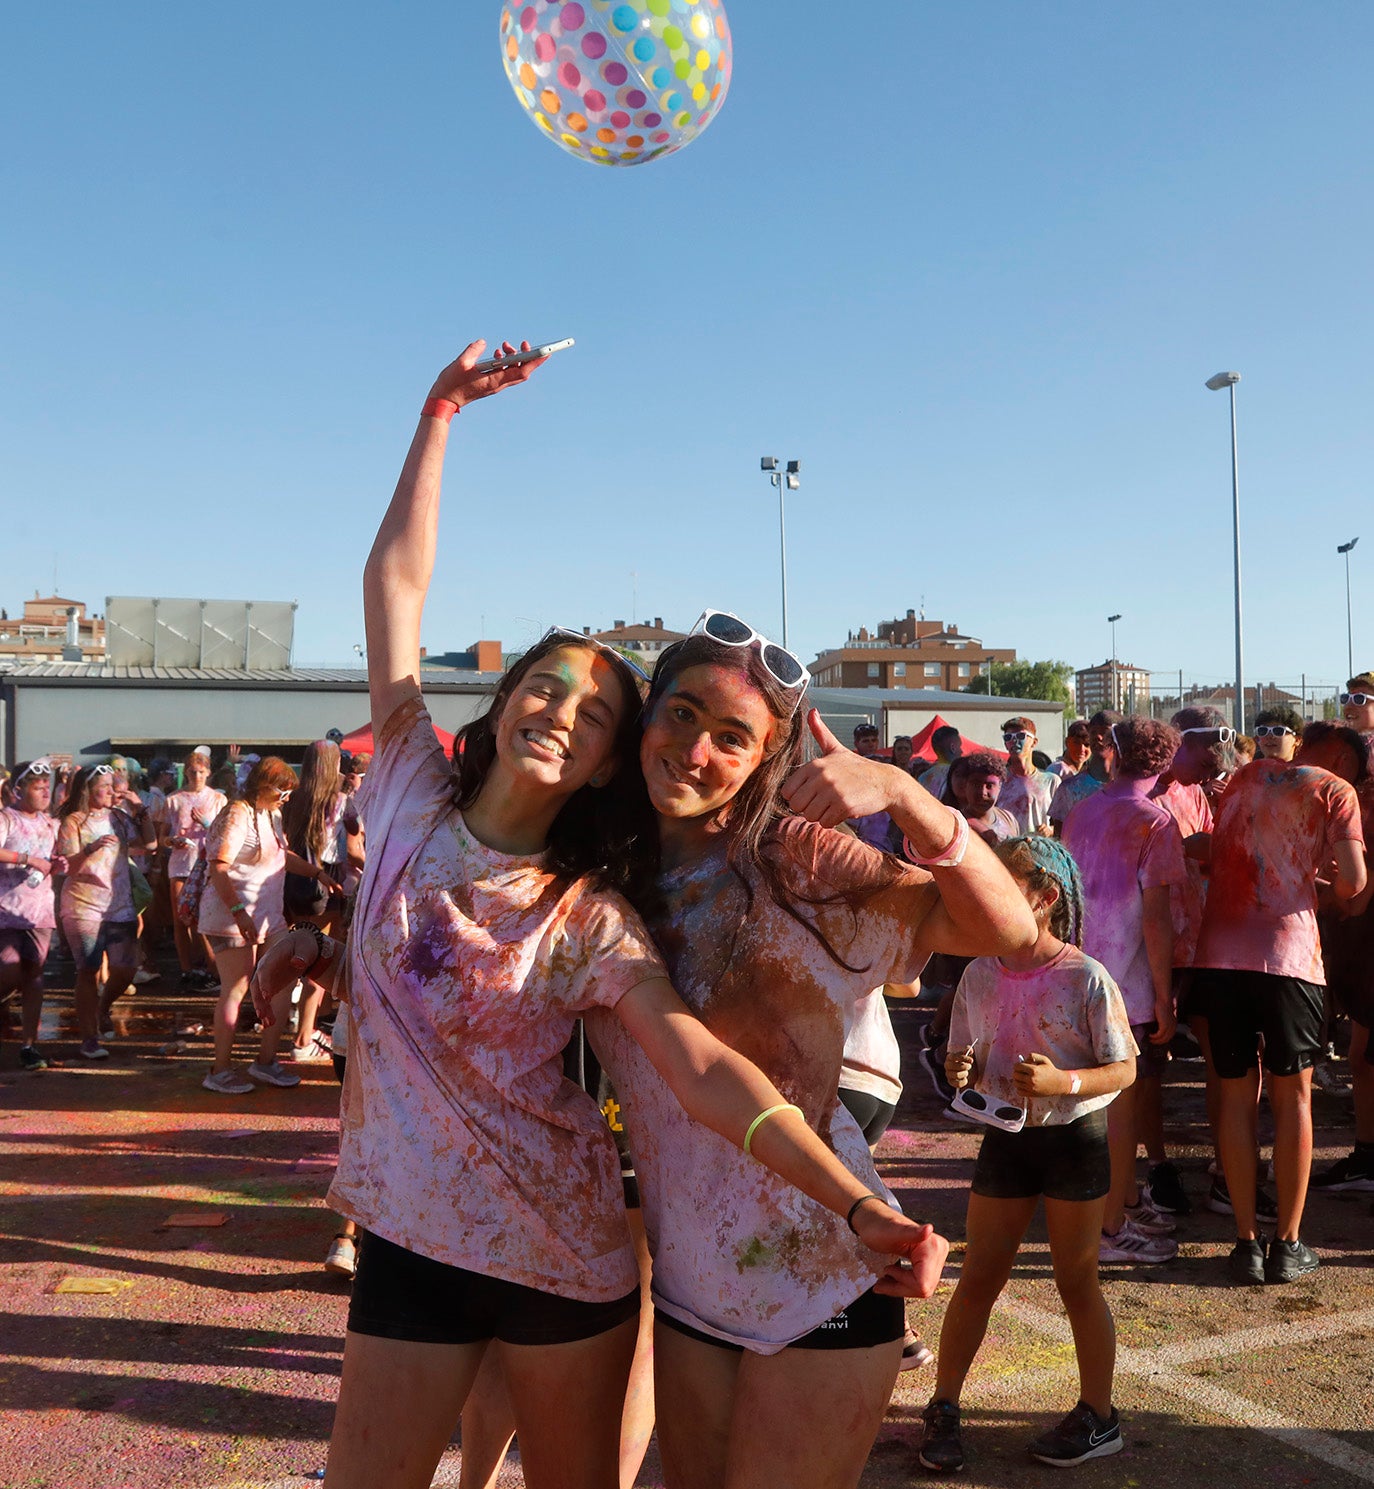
<point x="971" y="263"/>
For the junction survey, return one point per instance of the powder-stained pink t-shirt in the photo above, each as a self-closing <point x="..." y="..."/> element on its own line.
<point x="252" y="847"/>
<point x="25" y="906"/>
<point x="1069" y="1010"/>
<point x="1277" y="828"/>
<point x="461" y="1139"/>
<point x="189" y="815"/>
<point x="738" y="1252"/>
<point x="98" y="888"/>
<point x="1123" y="844"/>
<point x="1190" y="808"/>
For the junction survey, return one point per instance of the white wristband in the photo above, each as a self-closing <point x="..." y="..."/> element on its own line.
<point x="952" y="856"/>
<point x="1075" y="1083"/>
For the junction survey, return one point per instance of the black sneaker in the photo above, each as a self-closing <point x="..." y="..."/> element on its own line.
<point x="1246" y="1262"/>
<point x="1166" y="1190"/>
<point x="1289" y="1260"/>
<point x="931" y="1062"/>
<point x="1080" y="1436"/>
<point x="30" y="1059"/>
<point x="1354" y="1172"/>
<point x="941" y="1451"/>
<point x="1219" y="1202"/>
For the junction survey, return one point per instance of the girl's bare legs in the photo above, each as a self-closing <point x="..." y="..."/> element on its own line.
<point x="1075" y="1228"/>
<point x="398" y="1404"/>
<point x="25" y="978"/>
<point x="235" y="968"/>
<point x="121" y="960"/>
<point x="805" y="1418"/>
<point x="182" y="933"/>
<point x="87" y="999"/>
<point x="1122" y="1131"/>
<point x="637" y="1420"/>
<point x="995" y="1230"/>
<point x="489" y="1417"/>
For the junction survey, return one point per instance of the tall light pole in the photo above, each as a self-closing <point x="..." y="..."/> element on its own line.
<point x="1116" y="700"/>
<point x="1349" y="634"/>
<point x="785" y="480"/>
<point x="1229" y="380"/>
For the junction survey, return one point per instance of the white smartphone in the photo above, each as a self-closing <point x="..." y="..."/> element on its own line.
<point x="516" y="359"/>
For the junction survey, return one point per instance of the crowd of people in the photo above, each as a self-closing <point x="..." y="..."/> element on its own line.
<point x="612" y="1035"/>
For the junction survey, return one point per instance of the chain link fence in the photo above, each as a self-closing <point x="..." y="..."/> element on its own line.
<point x="1311" y="697"/>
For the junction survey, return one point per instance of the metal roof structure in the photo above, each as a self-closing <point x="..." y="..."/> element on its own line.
<point x="218" y="677"/>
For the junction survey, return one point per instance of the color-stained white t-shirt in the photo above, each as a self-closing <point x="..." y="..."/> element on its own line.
<point x="1069" y="1010"/>
<point x="1028" y="799"/>
<point x="99" y="889"/>
<point x="460" y="1137"/>
<point x="872" y="1057"/>
<point x="189" y="814"/>
<point x="25" y="906"/>
<point x="739" y="1253"/>
<point x="254" y="848"/>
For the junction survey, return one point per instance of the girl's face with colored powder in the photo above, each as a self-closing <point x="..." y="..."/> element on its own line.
<point x="102" y="793"/>
<point x="558" y="728"/>
<point x="707" y="735"/>
<point x="35" y="795"/>
<point x="197" y="773"/>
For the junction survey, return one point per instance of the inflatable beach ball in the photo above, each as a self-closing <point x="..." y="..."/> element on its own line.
<point x="618" y="82"/>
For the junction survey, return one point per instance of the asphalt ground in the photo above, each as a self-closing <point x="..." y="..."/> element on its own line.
<point x="212" y="1360"/>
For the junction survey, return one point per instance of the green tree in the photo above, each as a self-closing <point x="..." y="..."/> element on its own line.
<point x="1048" y="680"/>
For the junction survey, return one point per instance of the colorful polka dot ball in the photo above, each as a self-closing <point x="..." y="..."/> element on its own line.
<point x="618" y="82"/>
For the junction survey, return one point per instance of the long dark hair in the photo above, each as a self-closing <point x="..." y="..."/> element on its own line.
<point x="605" y="832"/>
<point x="305" y="817"/>
<point x="758" y="806"/>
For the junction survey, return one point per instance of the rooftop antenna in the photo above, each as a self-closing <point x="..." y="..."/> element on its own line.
<point x="923" y="607"/>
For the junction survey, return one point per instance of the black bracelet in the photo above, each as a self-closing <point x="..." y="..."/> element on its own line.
<point x="862" y="1199"/>
<point x="321" y="955"/>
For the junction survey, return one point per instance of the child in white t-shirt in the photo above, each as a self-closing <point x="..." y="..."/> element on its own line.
<point x="1044" y="1033"/>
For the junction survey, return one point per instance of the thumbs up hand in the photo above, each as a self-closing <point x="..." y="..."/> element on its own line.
<point x="838" y="784"/>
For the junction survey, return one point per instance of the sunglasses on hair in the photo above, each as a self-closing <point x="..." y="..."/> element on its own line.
<point x="37" y="770"/>
<point x="974" y="1104"/>
<point x="1263" y="731"/>
<point x="583" y="638"/>
<point x="102" y="770"/>
<point x="1224" y="734"/>
<point x="1360" y="700"/>
<point x="730" y="630"/>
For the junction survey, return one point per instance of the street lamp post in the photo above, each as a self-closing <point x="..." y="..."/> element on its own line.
<point x="785" y="480"/>
<point x="1349" y="634"/>
<point x="1229" y="380"/>
<point x="1116" y="691"/>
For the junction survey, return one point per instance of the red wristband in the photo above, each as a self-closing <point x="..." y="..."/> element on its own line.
<point x="439" y="408"/>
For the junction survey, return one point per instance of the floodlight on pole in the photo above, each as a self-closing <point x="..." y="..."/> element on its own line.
<point x="1345" y="548"/>
<point x="785" y="480"/>
<point x="1116" y="691"/>
<point x="1229" y="380"/>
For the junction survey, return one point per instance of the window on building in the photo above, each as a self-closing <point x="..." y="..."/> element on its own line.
<point x="899" y="669"/>
<point x="963" y="669"/>
<point x="873" y="671"/>
<point x="932" y="669"/>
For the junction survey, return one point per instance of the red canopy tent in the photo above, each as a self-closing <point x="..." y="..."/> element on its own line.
<point x="360" y="741"/>
<point x="922" y="749"/>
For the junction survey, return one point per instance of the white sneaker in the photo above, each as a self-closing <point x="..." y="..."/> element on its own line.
<point x="227" y="1083"/>
<point x="1132" y="1245"/>
<point x="145" y="975"/>
<point x="274" y="1074"/>
<point x="342" y="1260"/>
<point x="1146" y="1218"/>
<point x="309" y="1051"/>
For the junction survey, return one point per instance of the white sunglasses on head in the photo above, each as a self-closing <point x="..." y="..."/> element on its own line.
<point x="730" y="630"/>
<point x="1225" y="734"/>
<point x="583" y="638"/>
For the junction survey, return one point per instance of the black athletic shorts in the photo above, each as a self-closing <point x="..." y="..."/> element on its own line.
<point x="1070" y="1161"/>
<point x="872" y="1318"/>
<point x="872" y="1113"/>
<point x="1242" y="1007"/>
<point x="398" y="1294"/>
